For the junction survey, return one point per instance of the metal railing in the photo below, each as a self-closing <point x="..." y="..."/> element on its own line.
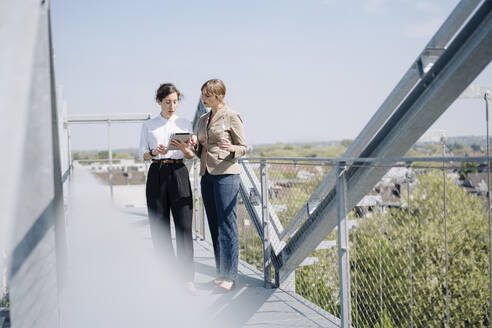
<point x="413" y="253"/>
<point x="108" y="119"/>
<point x="198" y="209"/>
<point x="416" y="250"/>
<point x="194" y="169"/>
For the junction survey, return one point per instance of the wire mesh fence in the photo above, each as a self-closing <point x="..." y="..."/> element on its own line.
<point x="424" y="262"/>
<point x="250" y="244"/>
<point x="419" y="245"/>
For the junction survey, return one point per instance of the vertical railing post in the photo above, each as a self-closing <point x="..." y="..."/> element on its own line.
<point x="381" y="311"/>
<point x="110" y="153"/>
<point x="196" y="196"/>
<point x="3" y="262"/>
<point x="316" y="282"/>
<point x="69" y="150"/>
<point x="266" y="225"/>
<point x="409" y="179"/>
<point x="146" y="170"/>
<point x="446" y="258"/>
<point x="202" y="223"/>
<point x="486" y="97"/>
<point x="343" y="246"/>
<point x="202" y="212"/>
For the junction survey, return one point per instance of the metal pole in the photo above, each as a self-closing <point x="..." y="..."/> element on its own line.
<point x="343" y="246"/>
<point x="146" y="170"/>
<point x="202" y="212"/>
<point x="266" y="225"/>
<point x="69" y="145"/>
<point x="110" y="153"/>
<point x="202" y="222"/>
<point x="380" y="267"/>
<point x="246" y="241"/>
<point x="356" y="277"/>
<point x="316" y="282"/>
<point x="253" y="249"/>
<point x="196" y="196"/>
<point x="486" y="97"/>
<point x="443" y="141"/>
<point x="3" y="261"/>
<point x="410" y="278"/>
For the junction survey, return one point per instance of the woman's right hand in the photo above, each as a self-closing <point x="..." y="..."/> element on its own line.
<point x="161" y="149"/>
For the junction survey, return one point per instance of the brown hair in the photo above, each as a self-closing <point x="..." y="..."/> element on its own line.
<point x="165" y="90"/>
<point x="215" y="87"/>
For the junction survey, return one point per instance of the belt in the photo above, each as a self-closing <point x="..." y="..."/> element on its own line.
<point x="167" y="161"/>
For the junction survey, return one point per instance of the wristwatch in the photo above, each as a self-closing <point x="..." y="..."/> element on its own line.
<point x="150" y="153"/>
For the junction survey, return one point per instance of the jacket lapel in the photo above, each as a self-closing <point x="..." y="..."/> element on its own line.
<point x="218" y="116"/>
<point x="203" y="126"/>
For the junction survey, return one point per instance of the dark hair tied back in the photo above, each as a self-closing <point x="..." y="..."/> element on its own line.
<point x="165" y="90"/>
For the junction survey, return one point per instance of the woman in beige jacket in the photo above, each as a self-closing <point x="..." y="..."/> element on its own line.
<point x="221" y="142"/>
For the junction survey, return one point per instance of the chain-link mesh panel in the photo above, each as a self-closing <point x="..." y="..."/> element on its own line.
<point x="399" y="274"/>
<point x="250" y="246"/>
<point x="419" y="248"/>
<point x="317" y="280"/>
<point x="290" y="186"/>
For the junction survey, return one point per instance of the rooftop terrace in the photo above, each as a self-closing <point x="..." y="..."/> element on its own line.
<point x="114" y="278"/>
<point x="74" y="260"/>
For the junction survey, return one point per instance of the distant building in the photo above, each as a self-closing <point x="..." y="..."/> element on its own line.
<point x="125" y="171"/>
<point x="433" y="136"/>
<point x="476" y="183"/>
<point x="123" y="165"/>
<point x="387" y="193"/>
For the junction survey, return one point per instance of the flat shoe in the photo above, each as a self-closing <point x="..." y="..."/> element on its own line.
<point x="217" y="281"/>
<point x="228" y="289"/>
<point x="191" y="289"/>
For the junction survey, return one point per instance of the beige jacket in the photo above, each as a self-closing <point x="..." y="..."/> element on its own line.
<point x="212" y="158"/>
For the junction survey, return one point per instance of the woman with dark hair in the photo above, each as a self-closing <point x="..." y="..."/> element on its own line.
<point x="168" y="186"/>
<point x="220" y="143"/>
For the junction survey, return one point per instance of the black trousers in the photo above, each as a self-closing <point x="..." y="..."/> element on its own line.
<point x="168" y="189"/>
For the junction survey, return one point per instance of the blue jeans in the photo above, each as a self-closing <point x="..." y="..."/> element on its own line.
<point x="219" y="193"/>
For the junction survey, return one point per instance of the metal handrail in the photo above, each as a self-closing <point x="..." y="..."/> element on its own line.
<point x="348" y="160"/>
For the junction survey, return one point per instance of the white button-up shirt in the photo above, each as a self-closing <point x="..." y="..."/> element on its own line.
<point x="158" y="130"/>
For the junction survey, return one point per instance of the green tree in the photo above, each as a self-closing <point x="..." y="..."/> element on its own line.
<point x="102" y="154"/>
<point x="123" y="155"/>
<point x="456" y="146"/>
<point x="346" y="142"/>
<point x="5" y="301"/>
<point x="391" y="241"/>
<point x="467" y="167"/>
<point x="420" y="241"/>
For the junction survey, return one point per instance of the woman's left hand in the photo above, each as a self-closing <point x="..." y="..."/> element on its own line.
<point x="194" y="142"/>
<point x="226" y="145"/>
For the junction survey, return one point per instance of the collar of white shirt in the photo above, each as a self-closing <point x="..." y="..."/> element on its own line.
<point x="171" y="119"/>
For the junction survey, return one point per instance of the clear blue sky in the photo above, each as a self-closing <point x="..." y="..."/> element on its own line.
<point x="297" y="71"/>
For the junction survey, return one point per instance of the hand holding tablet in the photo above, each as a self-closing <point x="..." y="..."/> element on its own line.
<point x="178" y="137"/>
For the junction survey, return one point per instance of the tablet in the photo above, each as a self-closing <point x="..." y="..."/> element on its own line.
<point x="179" y="135"/>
